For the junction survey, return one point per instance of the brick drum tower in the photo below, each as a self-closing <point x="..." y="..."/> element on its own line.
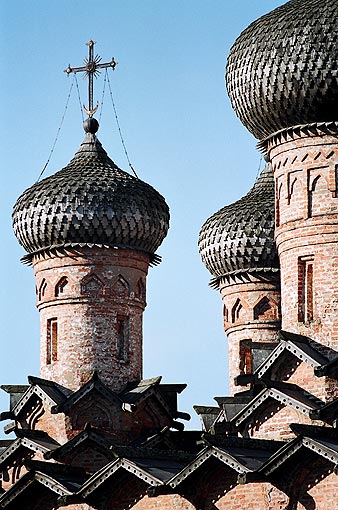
<point x="238" y="248"/>
<point x="90" y="433"/>
<point x="91" y="231"/>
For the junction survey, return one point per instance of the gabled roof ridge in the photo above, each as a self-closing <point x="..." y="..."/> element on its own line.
<point x="299" y="346"/>
<point x="109" y="469"/>
<point x="293" y="446"/>
<point x="93" y="383"/>
<point x="303" y="404"/>
<point x="133" y="395"/>
<point x="94" y="435"/>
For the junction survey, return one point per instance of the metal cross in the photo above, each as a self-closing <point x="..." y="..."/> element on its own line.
<point x="91" y="69"/>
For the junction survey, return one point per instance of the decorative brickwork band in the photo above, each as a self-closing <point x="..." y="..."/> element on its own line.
<point x="91" y="307"/>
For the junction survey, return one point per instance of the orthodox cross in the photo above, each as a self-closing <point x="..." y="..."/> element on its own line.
<point x="91" y="69"/>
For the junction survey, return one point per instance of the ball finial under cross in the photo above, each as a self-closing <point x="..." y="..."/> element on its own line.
<point x="91" y="125"/>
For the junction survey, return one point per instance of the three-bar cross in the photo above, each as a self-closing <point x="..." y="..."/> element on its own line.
<point x="91" y="69"/>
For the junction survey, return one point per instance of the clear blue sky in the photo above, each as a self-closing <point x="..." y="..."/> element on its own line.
<point x="182" y="136"/>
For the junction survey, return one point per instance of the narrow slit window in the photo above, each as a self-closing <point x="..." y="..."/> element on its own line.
<point x="60" y="286"/>
<point x="305" y="289"/>
<point x="42" y="289"/>
<point x="122" y="327"/>
<point x="245" y="356"/>
<point x="52" y="340"/>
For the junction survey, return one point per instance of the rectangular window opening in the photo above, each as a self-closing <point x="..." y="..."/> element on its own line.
<point x="52" y="340"/>
<point x="305" y="289"/>
<point x="122" y="326"/>
<point x="245" y="356"/>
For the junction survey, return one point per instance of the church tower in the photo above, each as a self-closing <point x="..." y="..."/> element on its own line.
<point x="282" y="82"/>
<point x="237" y="246"/>
<point x="91" y="231"/>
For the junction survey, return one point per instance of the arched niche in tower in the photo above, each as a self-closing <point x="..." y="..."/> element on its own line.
<point x="60" y="286"/>
<point x="265" y="309"/>
<point x="237" y="311"/>
<point x="91" y="284"/>
<point x="319" y="195"/>
<point x="141" y="289"/>
<point x="225" y="313"/>
<point x="42" y="289"/>
<point x="121" y="287"/>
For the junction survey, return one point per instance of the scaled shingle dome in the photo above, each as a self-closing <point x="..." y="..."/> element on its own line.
<point x="239" y="237"/>
<point x="282" y="70"/>
<point x="91" y="201"/>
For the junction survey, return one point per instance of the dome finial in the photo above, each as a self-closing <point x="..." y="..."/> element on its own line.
<point x="91" y="125"/>
<point x="91" y="69"/>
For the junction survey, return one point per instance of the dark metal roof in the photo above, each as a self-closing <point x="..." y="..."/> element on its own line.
<point x="101" y="439"/>
<point x="240" y="237"/>
<point x="91" y="201"/>
<point x="330" y="369"/>
<point x="208" y="415"/>
<point x="38" y="391"/>
<point x="91" y="386"/>
<point x="283" y="393"/>
<point x="291" y="345"/>
<point x="27" y="441"/>
<point x="319" y="443"/>
<point x="282" y="70"/>
<point x="162" y="469"/>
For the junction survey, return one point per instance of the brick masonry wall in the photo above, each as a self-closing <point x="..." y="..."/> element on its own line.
<point x="90" y="294"/>
<point x="251" y="311"/>
<point x="272" y="420"/>
<point x="305" y="171"/>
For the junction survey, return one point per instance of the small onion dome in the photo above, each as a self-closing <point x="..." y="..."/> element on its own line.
<point x="91" y="202"/>
<point x="282" y="70"/>
<point x="240" y="237"/>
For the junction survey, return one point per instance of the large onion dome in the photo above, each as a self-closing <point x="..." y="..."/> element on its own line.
<point x="90" y="202"/>
<point x="239" y="238"/>
<point x="282" y="70"/>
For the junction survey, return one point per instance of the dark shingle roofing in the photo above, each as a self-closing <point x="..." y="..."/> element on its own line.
<point x="90" y="202"/>
<point x="283" y="69"/>
<point x="240" y="237"/>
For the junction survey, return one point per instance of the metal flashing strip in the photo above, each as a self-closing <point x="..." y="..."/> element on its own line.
<point x="285" y="399"/>
<point x="281" y="456"/>
<point x="101" y="476"/>
<point x="191" y="467"/>
<point x="10" y="450"/>
<point x="252" y="406"/>
<point x="210" y="451"/>
<point x="31" y="391"/>
<point x="322" y="449"/>
<point x="297" y="351"/>
<point x="22" y="442"/>
<point x="229" y="460"/>
<point x="16" y="489"/>
<point x="52" y="484"/>
<point x="268" y="362"/>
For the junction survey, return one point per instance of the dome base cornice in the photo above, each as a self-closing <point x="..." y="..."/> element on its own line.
<point x="315" y="129"/>
<point x="76" y="248"/>
<point x="262" y="274"/>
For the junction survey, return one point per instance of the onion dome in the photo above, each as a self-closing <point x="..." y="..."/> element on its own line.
<point x="282" y="70"/>
<point x="239" y="238"/>
<point x="91" y="202"/>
